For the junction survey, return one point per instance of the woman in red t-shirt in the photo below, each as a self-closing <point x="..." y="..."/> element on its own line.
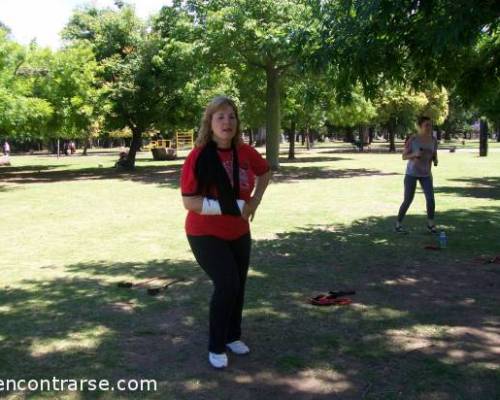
<point x="217" y="181"/>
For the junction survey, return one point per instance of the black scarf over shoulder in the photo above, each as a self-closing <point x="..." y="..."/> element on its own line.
<point x="211" y="173"/>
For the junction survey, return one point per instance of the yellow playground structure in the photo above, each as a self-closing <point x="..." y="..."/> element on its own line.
<point x="184" y="140"/>
<point x="166" y="149"/>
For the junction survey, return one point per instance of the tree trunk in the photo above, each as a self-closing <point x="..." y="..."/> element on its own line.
<point x="371" y="134"/>
<point x="438" y="134"/>
<point x="307" y="138"/>
<point x="392" y="140"/>
<point x="349" y="135"/>
<point x="273" y="117"/>
<point x="361" y="139"/>
<point x="291" y="139"/>
<point x="498" y="131"/>
<point x="85" y="146"/>
<point x="250" y="136"/>
<point x="135" y="145"/>
<point x="483" y="138"/>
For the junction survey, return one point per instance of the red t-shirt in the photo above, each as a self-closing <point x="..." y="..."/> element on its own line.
<point x="228" y="227"/>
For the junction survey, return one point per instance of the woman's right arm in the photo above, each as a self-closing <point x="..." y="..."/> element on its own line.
<point x="193" y="203"/>
<point x="407" y="154"/>
<point x="191" y="199"/>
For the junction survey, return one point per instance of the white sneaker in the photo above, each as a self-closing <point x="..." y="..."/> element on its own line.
<point x="238" y="347"/>
<point x="217" y="360"/>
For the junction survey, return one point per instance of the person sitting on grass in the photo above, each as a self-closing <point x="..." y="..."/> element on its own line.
<point x="420" y="150"/>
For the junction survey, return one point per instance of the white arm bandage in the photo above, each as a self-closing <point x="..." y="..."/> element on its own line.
<point x="241" y="204"/>
<point x="212" y="207"/>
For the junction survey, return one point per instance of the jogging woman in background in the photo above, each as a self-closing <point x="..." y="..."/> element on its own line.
<point x="217" y="181"/>
<point x="420" y="151"/>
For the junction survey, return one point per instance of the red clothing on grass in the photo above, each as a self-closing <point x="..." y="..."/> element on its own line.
<point x="227" y="227"/>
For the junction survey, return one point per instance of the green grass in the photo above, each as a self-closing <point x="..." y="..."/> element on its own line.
<point x="425" y="325"/>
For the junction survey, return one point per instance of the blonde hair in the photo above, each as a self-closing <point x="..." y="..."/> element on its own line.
<point x="205" y="133"/>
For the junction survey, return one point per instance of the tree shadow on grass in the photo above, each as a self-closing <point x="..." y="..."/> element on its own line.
<point x="152" y="160"/>
<point x="420" y="313"/>
<point x="424" y="324"/>
<point x="294" y="174"/>
<point x="167" y="175"/>
<point x="481" y="188"/>
<point x="15" y="170"/>
<point x="4" y="188"/>
<point x="310" y="159"/>
<point x="84" y="326"/>
<point x="6" y="173"/>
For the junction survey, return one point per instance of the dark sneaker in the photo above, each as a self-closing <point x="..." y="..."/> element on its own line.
<point x="400" y="229"/>
<point x="432" y="229"/>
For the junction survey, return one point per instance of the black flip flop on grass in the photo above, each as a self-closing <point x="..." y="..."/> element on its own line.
<point x="153" y="291"/>
<point x="157" y="290"/>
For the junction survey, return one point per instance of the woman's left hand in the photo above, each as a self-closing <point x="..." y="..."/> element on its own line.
<point x="250" y="208"/>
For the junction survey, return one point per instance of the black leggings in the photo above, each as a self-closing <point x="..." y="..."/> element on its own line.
<point x="226" y="263"/>
<point x="410" y="186"/>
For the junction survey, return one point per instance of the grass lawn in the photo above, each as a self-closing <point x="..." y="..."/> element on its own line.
<point x="424" y="324"/>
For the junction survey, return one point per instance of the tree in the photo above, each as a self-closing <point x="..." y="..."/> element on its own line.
<point x="69" y="85"/>
<point x="459" y="119"/>
<point x="355" y="111"/>
<point x="411" y="42"/>
<point x="4" y="28"/>
<point x="270" y="36"/>
<point x="23" y="116"/>
<point x="479" y="84"/>
<point x="447" y="42"/>
<point x="307" y="99"/>
<point x="144" y="68"/>
<point x="251" y="86"/>
<point x="398" y="108"/>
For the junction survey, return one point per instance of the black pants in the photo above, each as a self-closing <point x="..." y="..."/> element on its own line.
<point x="226" y="263"/>
<point x="410" y="186"/>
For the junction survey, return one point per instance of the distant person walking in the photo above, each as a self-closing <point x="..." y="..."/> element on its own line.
<point x="420" y="151"/>
<point x="6" y="148"/>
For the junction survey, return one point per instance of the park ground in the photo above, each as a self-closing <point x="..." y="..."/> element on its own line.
<point x="424" y="324"/>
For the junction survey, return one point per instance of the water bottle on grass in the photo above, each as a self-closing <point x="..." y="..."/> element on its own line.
<point x="443" y="240"/>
